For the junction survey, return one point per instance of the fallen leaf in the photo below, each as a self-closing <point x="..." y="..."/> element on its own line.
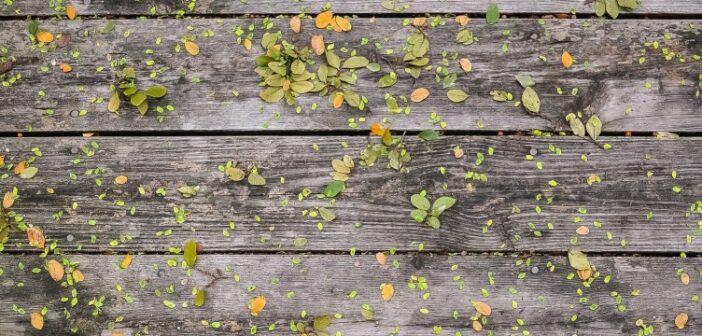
<point x="192" y="48"/>
<point x="257" y="305"/>
<point x="8" y="200"/>
<point x="378" y="129"/>
<point x="381" y="258"/>
<point x="190" y="252"/>
<point x="55" y="270"/>
<point x="45" y="37"/>
<point x="247" y="44"/>
<point x="126" y="261"/>
<point x="483" y="308"/>
<point x="20" y="167"/>
<point x="584" y="274"/>
<point x="323" y="19"/>
<point x="37" y="320"/>
<point x="78" y="276"/>
<point x="419" y="21"/>
<point x="66" y="68"/>
<point x="462" y="20"/>
<point x="338" y="100"/>
<point x="419" y="95"/>
<point x="681" y="320"/>
<point x="582" y="230"/>
<point x="71" y="12"/>
<point x="567" y="60"/>
<point x="477" y="326"/>
<point x="318" y="44"/>
<point x="295" y="24"/>
<point x="121" y="179"/>
<point x="466" y="65"/>
<point x="387" y="291"/>
<point x="578" y="260"/>
<point x="341" y="24"/>
<point x="35" y="237"/>
<point x="684" y="278"/>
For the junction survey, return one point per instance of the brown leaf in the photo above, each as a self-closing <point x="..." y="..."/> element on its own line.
<point x="295" y="24"/>
<point x="126" y="261"/>
<point x="584" y="274"/>
<point x="6" y="67"/>
<point x="35" y="237"/>
<point x="466" y="65"/>
<point x="419" y="95"/>
<point x="37" y="320"/>
<point x="338" y="100"/>
<point x="323" y="19"/>
<point x="318" y="44"/>
<point x="681" y="320"/>
<point x="483" y="308"/>
<point x="55" y="270"/>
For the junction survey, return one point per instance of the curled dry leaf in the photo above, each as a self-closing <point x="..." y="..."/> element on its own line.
<point x="377" y="129"/>
<point x="483" y="308"/>
<point x="419" y="95"/>
<point x="381" y="258"/>
<point x="35" y="237"/>
<point x="121" y="179"/>
<point x="37" y="320"/>
<point x="582" y="230"/>
<point x="318" y="44"/>
<point x="477" y="326"/>
<point x="55" y="269"/>
<point x="681" y="320"/>
<point x="66" y="68"/>
<point x="466" y="65"/>
<point x="257" y="305"/>
<point x="419" y="21"/>
<point x="295" y="24"/>
<point x="78" y="276"/>
<point x="462" y="20"/>
<point x="323" y="19"/>
<point x="387" y="291"/>
<point x="192" y="48"/>
<point x="71" y="12"/>
<point x="567" y="60"/>
<point x="8" y="200"/>
<point x="45" y="37"/>
<point x="684" y="278"/>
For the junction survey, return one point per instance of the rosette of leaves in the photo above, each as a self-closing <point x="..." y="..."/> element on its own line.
<point x="417" y="48"/>
<point x="593" y="127"/>
<point x="613" y="7"/>
<point x="342" y="168"/>
<point x="392" y="148"/>
<point x="332" y="79"/>
<point x="283" y="70"/>
<point x="427" y="212"/>
<point x="530" y="99"/>
<point x="237" y="174"/>
<point x="127" y="88"/>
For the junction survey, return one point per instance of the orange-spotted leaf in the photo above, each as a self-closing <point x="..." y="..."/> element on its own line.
<point x="338" y="100"/>
<point x="71" y="12"/>
<point x="121" y="179"/>
<point x="20" y="167"/>
<point x="419" y="95"/>
<point x="257" y="305"/>
<point x="78" y="276"/>
<point x="192" y="48"/>
<point x="35" y="237"/>
<point x="55" y="270"/>
<point x="295" y="24"/>
<point x="8" y="200"/>
<point x="483" y="308"/>
<point x="45" y="37"/>
<point x="126" y="261"/>
<point x="567" y="59"/>
<point x="380" y="256"/>
<point x="323" y="19"/>
<point x="318" y="44"/>
<point x="37" y="320"/>
<point x="66" y="68"/>
<point x="387" y="291"/>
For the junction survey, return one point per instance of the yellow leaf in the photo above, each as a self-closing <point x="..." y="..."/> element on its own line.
<point x="66" y="68"/>
<point x="323" y="19"/>
<point x="483" y="308"/>
<point x="8" y="200"/>
<point x="295" y="24"/>
<point x="247" y="44"/>
<point x="126" y="261"/>
<point x="318" y="44"/>
<point x="378" y="129"/>
<point x="20" y="167"/>
<point x="419" y="95"/>
<point x="466" y="65"/>
<point x="681" y="320"/>
<point x="55" y="270"/>
<point x="71" y="12"/>
<point x="35" y="237"/>
<point x="45" y="37"/>
<point x="121" y="179"/>
<point x="462" y="20"/>
<point x="567" y="59"/>
<point x="192" y="48"/>
<point x="78" y="276"/>
<point x="37" y="320"/>
<point x="387" y="291"/>
<point x="257" y="305"/>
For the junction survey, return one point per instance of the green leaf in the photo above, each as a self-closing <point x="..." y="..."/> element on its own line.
<point x="33" y="27"/>
<point x="256" y="180"/>
<point x="333" y="59"/>
<point x="427" y="135"/>
<point x="576" y="125"/>
<point x="441" y="204"/>
<point x="188" y="191"/>
<point x="235" y="174"/>
<point x="334" y="188"/>
<point x="327" y="214"/>
<point x="321" y="323"/>
<point x="420" y="202"/>
<point x="525" y="80"/>
<point x="302" y="87"/>
<point x="143" y="107"/>
<point x="629" y="4"/>
<point x="200" y="298"/>
<point x="156" y="91"/>
<point x="29" y="172"/>
<point x="137" y="98"/>
<point x="594" y="127"/>
<point x="457" y="95"/>
<point x="373" y="67"/>
<point x="433" y="222"/>
<point x="297" y="67"/>
<point x="387" y="80"/>
<point x="418" y="215"/>
<point x="612" y="8"/>
<point x="493" y="14"/>
<point x="354" y="62"/>
<point x="465" y="36"/>
<point x="190" y="252"/>
<point x="530" y="100"/>
<point x="272" y="94"/>
<point x="600" y="8"/>
<point x="113" y="105"/>
<point x="300" y="241"/>
<point x="578" y="260"/>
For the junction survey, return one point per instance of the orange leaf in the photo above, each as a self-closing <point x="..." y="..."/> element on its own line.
<point x="483" y="308"/>
<point x="247" y="44"/>
<point x="318" y="44"/>
<point x="681" y="320"/>
<point x="419" y="21"/>
<point x="45" y="37"/>
<point x="192" y="48"/>
<point x="257" y="305"/>
<point x="8" y="200"/>
<point x="126" y="261"/>
<point x="323" y="19"/>
<point x="78" y="276"/>
<point x="121" y="179"/>
<point x="466" y="65"/>
<point x="380" y="256"/>
<point x="338" y="100"/>
<point x="387" y="291"/>
<point x="295" y="24"/>
<point x="477" y="326"/>
<point x="2" y="160"/>
<point x="35" y="237"/>
<point x="462" y="20"/>
<point x="71" y="12"/>
<point x="419" y="95"/>
<point x="20" y="167"/>
<point x="66" y="68"/>
<point x="684" y="278"/>
<point x="343" y="23"/>
<point x="582" y="230"/>
<point x="567" y="59"/>
<point x="37" y="320"/>
<point x="55" y="270"/>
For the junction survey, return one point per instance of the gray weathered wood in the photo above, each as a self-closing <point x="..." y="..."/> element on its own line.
<point x="613" y="83"/>
<point x="377" y="197"/>
<point x="23" y="8"/>
<point x="545" y="300"/>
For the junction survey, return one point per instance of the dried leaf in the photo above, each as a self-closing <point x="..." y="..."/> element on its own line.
<point x="323" y="19"/>
<point x="377" y="129"/>
<point x="419" y="95"/>
<point x="247" y="44"/>
<point x="35" y="237"/>
<point x="341" y="24"/>
<point x="318" y="44"/>
<point x="419" y="21"/>
<point x="338" y="100"/>
<point x="567" y="60"/>
<point x="78" y="276"/>
<point x="681" y="320"/>
<point x="582" y="230"/>
<point x="684" y="278"/>
<point x="387" y="291"/>
<point x="8" y="200"/>
<point x="295" y="24"/>
<point x="381" y="258"/>
<point x="121" y="179"/>
<point x="462" y="20"/>
<point x="37" y="320"/>
<point x="65" y="67"/>
<point x="45" y="37"/>
<point x="126" y="261"/>
<point x="466" y="65"/>
<point x="71" y="12"/>
<point x="257" y="305"/>
<point x="55" y="270"/>
<point x="477" y="326"/>
<point x="20" y="167"/>
<point x="192" y="48"/>
<point x="483" y="308"/>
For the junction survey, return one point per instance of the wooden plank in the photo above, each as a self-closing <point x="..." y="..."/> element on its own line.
<point x="224" y="7"/>
<point x="641" y="212"/>
<point x="545" y="301"/>
<point x="627" y="95"/>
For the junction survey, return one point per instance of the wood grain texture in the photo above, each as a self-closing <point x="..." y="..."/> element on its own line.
<point x="223" y="7"/>
<point x="545" y="301"/>
<point x="608" y="76"/>
<point x="373" y="213"/>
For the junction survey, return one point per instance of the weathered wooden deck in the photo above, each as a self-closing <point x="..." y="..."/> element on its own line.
<point x="528" y="192"/>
